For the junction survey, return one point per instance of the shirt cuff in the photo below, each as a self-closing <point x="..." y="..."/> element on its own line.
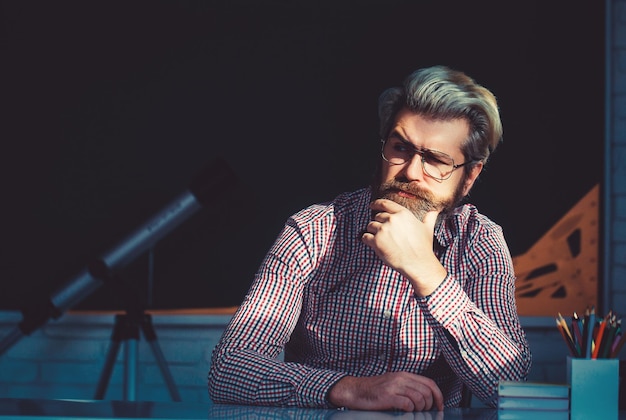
<point x="314" y="389"/>
<point x="445" y="304"/>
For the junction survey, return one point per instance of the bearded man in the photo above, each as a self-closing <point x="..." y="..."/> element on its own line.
<point x="393" y="297"/>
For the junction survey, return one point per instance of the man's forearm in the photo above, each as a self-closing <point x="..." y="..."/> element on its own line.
<point x="247" y="377"/>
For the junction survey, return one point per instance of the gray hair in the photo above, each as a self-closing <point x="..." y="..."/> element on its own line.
<point x="442" y="93"/>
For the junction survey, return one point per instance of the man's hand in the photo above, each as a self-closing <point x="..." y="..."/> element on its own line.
<point x="391" y="391"/>
<point x="405" y="243"/>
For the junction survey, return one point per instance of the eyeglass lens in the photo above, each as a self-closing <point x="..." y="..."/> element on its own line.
<point x="436" y="164"/>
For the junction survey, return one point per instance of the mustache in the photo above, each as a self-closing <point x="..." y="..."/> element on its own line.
<point x="423" y="201"/>
<point x="395" y="185"/>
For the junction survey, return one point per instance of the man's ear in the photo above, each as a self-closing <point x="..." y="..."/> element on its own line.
<point x="472" y="177"/>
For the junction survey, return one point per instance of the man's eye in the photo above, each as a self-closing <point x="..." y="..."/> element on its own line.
<point x="434" y="160"/>
<point x="399" y="147"/>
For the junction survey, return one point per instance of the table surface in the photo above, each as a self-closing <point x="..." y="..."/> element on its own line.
<point x="106" y="409"/>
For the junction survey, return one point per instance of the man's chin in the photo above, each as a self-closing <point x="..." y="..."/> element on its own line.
<point x="417" y="205"/>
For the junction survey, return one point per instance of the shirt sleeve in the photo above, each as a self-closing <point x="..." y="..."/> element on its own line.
<point x="476" y="321"/>
<point x="246" y="367"/>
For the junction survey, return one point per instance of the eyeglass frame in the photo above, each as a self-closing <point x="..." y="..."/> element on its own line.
<point x="421" y="152"/>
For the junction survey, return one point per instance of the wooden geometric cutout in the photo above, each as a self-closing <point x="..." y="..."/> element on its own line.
<point x="559" y="273"/>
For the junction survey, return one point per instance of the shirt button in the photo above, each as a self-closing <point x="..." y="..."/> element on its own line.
<point x="387" y="314"/>
<point x="439" y="312"/>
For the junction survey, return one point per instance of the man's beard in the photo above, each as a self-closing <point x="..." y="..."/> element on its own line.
<point x="423" y="202"/>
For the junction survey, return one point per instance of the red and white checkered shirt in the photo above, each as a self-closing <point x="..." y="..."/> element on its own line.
<point x="335" y="309"/>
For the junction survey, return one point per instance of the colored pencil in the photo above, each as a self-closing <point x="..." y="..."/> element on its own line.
<point x="617" y="345"/>
<point x="609" y="335"/>
<point x="592" y="336"/>
<point x="566" y="338"/>
<point x="590" y="321"/>
<point x="577" y="333"/>
<point x="598" y="339"/>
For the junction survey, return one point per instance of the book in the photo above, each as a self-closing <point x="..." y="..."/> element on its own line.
<point x="533" y="389"/>
<point x="533" y="415"/>
<point x="533" y="403"/>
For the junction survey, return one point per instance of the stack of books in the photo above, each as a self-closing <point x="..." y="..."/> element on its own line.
<point x="533" y="400"/>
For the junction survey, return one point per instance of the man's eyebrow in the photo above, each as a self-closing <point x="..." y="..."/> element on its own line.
<point x="398" y="136"/>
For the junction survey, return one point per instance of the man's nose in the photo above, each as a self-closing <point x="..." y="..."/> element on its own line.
<point x="414" y="169"/>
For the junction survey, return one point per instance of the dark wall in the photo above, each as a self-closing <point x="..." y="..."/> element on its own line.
<point x="109" y="109"/>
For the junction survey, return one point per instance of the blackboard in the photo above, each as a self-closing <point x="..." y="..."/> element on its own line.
<point x="110" y="108"/>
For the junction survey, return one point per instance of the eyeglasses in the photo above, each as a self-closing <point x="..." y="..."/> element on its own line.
<point x="436" y="165"/>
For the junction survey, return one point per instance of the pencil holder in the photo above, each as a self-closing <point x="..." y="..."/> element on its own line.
<point x="594" y="389"/>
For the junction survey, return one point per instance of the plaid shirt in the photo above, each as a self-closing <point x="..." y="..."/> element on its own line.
<point x="334" y="308"/>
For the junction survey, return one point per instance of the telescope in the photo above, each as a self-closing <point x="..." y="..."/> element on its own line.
<point x="216" y="179"/>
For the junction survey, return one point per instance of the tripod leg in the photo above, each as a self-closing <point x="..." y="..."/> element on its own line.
<point x="105" y="375"/>
<point x="130" y="369"/>
<point x="111" y="357"/>
<point x="150" y="335"/>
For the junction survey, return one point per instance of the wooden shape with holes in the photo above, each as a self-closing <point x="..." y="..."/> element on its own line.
<point x="559" y="273"/>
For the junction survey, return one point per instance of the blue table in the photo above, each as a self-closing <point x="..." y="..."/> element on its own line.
<point x="96" y="409"/>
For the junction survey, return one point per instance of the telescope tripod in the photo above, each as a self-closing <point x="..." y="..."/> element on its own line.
<point x="127" y="330"/>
